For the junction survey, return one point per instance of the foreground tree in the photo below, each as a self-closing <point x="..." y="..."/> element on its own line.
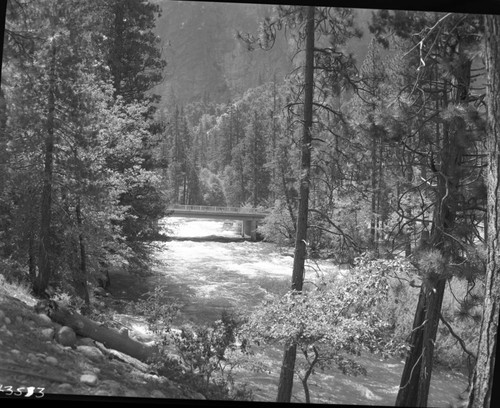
<point x="332" y="322"/>
<point x="288" y="365"/>
<point x="326" y="71"/>
<point x="44" y="266"/>
<point x="446" y="130"/>
<point x="482" y="386"/>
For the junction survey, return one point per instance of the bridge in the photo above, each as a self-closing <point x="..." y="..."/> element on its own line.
<point x="248" y="216"/>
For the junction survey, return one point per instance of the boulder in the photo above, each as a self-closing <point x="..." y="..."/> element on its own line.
<point x="47" y="334"/>
<point x="93" y="353"/>
<point x="66" y="336"/>
<point x="44" y="320"/>
<point x="89" y="379"/>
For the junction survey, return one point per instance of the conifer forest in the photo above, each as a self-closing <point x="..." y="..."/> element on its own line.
<point x="366" y="140"/>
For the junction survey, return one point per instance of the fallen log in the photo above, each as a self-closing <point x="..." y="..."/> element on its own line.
<point x="85" y="327"/>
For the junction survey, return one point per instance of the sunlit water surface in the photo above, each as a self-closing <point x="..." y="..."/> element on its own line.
<point x="208" y="277"/>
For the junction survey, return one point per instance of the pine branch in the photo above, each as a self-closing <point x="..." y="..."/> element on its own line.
<point x="462" y="343"/>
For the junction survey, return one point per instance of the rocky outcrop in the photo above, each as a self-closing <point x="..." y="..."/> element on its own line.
<point x="54" y="358"/>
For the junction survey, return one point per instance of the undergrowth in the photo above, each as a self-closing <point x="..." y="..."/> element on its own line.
<point x="203" y="357"/>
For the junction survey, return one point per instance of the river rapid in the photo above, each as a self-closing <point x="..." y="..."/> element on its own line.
<point x="206" y="277"/>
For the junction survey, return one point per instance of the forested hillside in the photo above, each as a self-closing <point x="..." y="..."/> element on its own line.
<point x="207" y="62"/>
<point x="368" y="137"/>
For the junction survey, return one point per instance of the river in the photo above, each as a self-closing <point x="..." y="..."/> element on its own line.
<point x="205" y="277"/>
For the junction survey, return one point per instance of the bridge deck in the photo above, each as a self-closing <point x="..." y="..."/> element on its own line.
<point x="203" y="211"/>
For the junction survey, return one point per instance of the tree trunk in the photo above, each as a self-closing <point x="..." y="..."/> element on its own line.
<point x="32" y="257"/>
<point x="416" y="377"/>
<point x="255" y="153"/>
<point x="285" y="385"/>
<point x="82" y="280"/>
<point x="307" y="374"/>
<point x="307" y="394"/>
<point x="109" y="337"/>
<point x="288" y="199"/>
<point x="273" y="138"/>
<point x="374" y="200"/>
<point x="482" y="383"/>
<point x="44" y="252"/>
<point x="115" y="60"/>
<point x="303" y="210"/>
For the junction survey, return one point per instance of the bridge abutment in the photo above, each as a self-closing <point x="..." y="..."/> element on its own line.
<point x="250" y="228"/>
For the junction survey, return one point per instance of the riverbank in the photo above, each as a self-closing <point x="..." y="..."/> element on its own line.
<point x="34" y="360"/>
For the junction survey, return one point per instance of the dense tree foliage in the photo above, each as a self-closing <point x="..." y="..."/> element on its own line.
<point x="76" y="193"/>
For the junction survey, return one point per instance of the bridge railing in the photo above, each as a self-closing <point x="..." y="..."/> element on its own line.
<point x="207" y="208"/>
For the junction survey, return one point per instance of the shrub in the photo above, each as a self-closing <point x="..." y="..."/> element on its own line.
<point x="335" y="320"/>
<point x="205" y="356"/>
<point x="158" y="310"/>
<point x="274" y="286"/>
<point x="13" y="271"/>
<point x="278" y="226"/>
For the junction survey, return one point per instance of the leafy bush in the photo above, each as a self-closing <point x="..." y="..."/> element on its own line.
<point x="205" y="357"/>
<point x="274" y="286"/>
<point x="402" y="297"/>
<point x="13" y="271"/>
<point x="158" y="310"/>
<point x="210" y="354"/>
<point x="278" y="226"/>
<point x="66" y="300"/>
<point x="19" y="289"/>
<point x="330" y="323"/>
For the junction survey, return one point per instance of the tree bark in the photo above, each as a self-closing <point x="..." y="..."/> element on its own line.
<point x="482" y="383"/>
<point x="44" y="252"/>
<point x="285" y="385"/>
